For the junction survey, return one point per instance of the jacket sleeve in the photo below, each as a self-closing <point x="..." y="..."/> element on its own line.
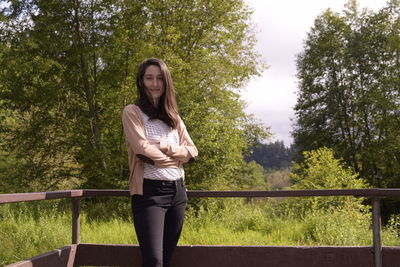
<point x="135" y="136"/>
<point x="186" y="151"/>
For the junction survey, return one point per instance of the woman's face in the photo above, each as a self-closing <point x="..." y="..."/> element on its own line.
<point x="153" y="82"/>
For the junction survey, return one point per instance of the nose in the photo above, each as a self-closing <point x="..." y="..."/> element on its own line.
<point x="154" y="82"/>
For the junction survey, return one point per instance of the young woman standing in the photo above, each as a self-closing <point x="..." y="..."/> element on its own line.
<point x="158" y="145"/>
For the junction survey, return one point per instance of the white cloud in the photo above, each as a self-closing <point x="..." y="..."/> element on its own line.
<point x="282" y="26"/>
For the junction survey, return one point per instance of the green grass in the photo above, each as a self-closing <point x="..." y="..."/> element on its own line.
<point x="29" y="229"/>
<point x="114" y="231"/>
<point x="23" y="235"/>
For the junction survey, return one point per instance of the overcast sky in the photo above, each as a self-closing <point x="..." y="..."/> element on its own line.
<point x="281" y="29"/>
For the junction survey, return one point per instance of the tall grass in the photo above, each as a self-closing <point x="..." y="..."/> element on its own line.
<point x="30" y="229"/>
<point x="26" y="231"/>
<point x="264" y="223"/>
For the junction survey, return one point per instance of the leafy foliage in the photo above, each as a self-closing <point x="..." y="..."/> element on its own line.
<point x="321" y="170"/>
<point x="278" y="179"/>
<point x="349" y="90"/>
<point x="68" y="69"/>
<point x="292" y="221"/>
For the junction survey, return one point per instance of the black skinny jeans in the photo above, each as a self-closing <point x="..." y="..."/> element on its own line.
<point x="158" y="216"/>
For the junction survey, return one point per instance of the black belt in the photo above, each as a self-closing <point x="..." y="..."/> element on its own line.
<point x="163" y="182"/>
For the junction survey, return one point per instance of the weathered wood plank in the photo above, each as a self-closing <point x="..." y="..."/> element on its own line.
<point x="391" y="256"/>
<point x="25" y="197"/>
<point x="76" y="221"/>
<point x="105" y="193"/>
<point x="216" y="256"/>
<point x="300" y="193"/>
<point x="271" y="256"/>
<point x="63" y="257"/>
<point x="240" y="256"/>
<point x="373" y="192"/>
<point x="108" y="255"/>
<point x="377" y="231"/>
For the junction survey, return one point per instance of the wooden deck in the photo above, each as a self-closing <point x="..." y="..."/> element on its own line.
<point x="79" y="254"/>
<point x="217" y="256"/>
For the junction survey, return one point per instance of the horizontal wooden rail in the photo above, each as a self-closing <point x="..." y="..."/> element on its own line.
<point x="301" y="193"/>
<point x="373" y="192"/>
<point x="25" y="197"/>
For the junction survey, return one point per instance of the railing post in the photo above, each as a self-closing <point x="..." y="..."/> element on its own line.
<point x="76" y="220"/>
<point x="376" y="231"/>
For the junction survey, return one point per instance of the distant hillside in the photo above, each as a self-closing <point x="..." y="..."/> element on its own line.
<point x="273" y="155"/>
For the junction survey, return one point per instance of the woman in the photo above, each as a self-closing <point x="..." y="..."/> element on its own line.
<point x="158" y="144"/>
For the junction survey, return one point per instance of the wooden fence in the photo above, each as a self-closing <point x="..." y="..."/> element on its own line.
<point x="78" y="254"/>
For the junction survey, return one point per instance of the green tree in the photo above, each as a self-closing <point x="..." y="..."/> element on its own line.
<point x="68" y="69"/>
<point x="328" y="218"/>
<point x="321" y="170"/>
<point x="57" y="80"/>
<point x="349" y="90"/>
<point x="211" y="60"/>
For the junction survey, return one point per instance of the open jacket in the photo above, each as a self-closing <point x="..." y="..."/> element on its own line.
<point x="164" y="155"/>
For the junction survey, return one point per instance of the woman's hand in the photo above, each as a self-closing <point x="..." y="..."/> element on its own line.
<point x="145" y="159"/>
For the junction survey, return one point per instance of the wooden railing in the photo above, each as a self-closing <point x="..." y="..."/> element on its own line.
<point x="75" y="195"/>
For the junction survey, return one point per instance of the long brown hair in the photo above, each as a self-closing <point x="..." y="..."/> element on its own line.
<point x="167" y="109"/>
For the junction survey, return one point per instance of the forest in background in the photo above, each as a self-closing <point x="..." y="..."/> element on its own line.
<point x="68" y="69"/>
<point x="349" y="92"/>
<point x="349" y="97"/>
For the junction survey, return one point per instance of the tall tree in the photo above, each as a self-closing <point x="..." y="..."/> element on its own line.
<point x="57" y="79"/>
<point x="349" y="95"/>
<point x="68" y="69"/>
